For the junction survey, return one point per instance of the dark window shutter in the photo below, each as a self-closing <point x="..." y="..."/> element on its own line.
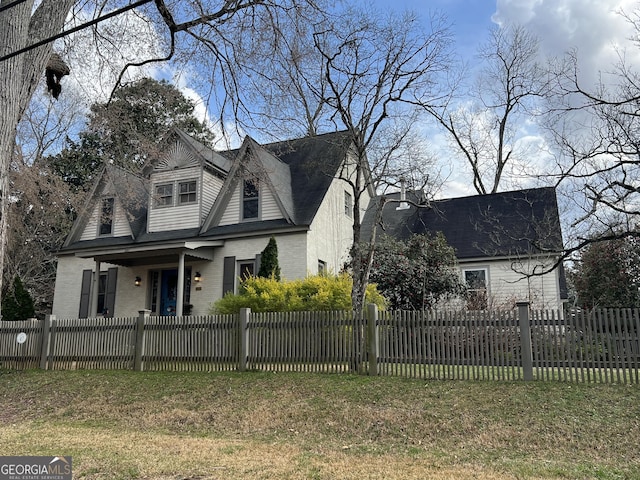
<point x="258" y="262"/>
<point x="110" y="293"/>
<point x="229" y="275"/>
<point x="85" y="293"/>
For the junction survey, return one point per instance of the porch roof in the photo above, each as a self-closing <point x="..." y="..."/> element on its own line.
<point x="133" y="255"/>
<point x="164" y="247"/>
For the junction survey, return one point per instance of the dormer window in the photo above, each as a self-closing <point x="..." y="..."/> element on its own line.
<point x="250" y="200"/>
<point x="164" y="195"/>
<point x="187" y="192"/>
<point x="106" y="216"/>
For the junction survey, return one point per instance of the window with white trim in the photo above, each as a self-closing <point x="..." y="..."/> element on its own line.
<point x="250" y="200"/>
<point x="322" y="267"/>
<point x="106" y="216"/>
<point x="246" y="269"/>
<point x="176" y="193"/>
<point x="477" y="282"/>
<point x="348" y="204"/>
<point x="102" y="292"/>
<point x="187" y="192"/>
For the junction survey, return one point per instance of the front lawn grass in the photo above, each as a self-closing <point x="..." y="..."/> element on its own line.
<point x="158" y="425"/>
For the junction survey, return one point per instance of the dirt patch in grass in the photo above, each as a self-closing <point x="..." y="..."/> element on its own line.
<point x="100" y="454"/>
<point x="260" y="425"/>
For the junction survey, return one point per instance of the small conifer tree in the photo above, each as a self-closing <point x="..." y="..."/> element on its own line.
<point x="17" y="303"/>
<point x="269" y="266"/>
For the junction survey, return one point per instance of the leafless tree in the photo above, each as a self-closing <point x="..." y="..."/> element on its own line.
<point x="285" y="86"/>
<point x="40" y="213"/>
<point x="374" y="71"/>
<point x="597" y="133"/>
<point x="482" y="123"/>
<point x="363" y="72"/>
<point x="195" y="29"/>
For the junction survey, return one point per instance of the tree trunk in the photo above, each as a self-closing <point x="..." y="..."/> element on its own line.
<point x="362" y="260"/>
<point x="19" y="76"/>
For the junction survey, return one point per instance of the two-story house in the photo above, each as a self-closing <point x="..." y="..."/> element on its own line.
<point x="182" y="234"/>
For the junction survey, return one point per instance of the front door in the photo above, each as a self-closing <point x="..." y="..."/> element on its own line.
<point x="168" y="292"/>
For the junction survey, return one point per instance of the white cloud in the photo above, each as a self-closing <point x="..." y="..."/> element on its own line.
<point x="228" y="135"/>
<point x="96" y="61"/>
<point x="594" y="27"/>
<point x="455" y="189"/>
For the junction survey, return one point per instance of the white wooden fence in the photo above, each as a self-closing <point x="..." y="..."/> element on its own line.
<point x="601" y="346"/>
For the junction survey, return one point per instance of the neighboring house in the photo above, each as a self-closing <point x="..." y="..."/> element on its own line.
<point x="178" y="237"/>
<point x="506" y="243"/>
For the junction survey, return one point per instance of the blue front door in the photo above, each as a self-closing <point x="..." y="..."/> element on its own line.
<point x="168" y="292"/>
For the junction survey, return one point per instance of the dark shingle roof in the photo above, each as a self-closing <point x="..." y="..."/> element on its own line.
<point x="500" y="224"/>
<point x="313" y="163"/>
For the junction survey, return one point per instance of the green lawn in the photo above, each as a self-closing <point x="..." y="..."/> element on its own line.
<point x="153" y="425"/>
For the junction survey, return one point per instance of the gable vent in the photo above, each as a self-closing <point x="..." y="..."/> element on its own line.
<point x="176" y="156"/>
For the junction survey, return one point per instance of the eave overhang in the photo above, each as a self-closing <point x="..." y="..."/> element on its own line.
<point x="134" y="255"/>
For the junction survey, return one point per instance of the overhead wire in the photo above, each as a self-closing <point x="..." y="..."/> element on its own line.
<point x="64" y="33"/>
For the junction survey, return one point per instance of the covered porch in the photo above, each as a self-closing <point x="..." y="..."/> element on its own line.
<point x="169" y="280"/>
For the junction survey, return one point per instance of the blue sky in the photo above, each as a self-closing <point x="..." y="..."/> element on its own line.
<point x="594" y="27"/>
<point x="470" y="19"/>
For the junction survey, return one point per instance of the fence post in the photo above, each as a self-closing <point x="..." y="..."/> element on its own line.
<point x="525" y="340"/>
<point x="44" y="346"/>
<point x="143" y="317"/>
<point x="372" y="322"/>
<point x="243" y="338"/>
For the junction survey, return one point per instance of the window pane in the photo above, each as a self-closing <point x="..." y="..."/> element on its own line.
<point x="250" y="189"/>
<point x="164" y="195"/>
<point x="250" y="196"/>
<point x="250" y="209"/>
<point x="475" y="278"/>
<point x="187" y="192"/>
<point x="348" y="204"/>
<point x="476" y="281"/>
<point x="247" y="269"/>
<point x="322" y="267"/>
<point x="106" y="216"/>
<point x="102" y="290"/>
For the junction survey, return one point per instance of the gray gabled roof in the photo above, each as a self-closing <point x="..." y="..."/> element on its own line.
<point x="278" y="175"/>
<point x="272" y="173"/>
<point x="130" y="190"/>
<point x="505" y="224"/>
<point x="210" y="156"/>
<point x="313" y="163"/>
<point x="194" y="152"/>
<point x="300" y="170"/>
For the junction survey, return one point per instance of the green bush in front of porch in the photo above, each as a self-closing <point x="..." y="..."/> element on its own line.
<point x="313" y="293"/>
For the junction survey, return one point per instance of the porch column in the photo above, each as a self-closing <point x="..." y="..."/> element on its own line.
<point x="180" y="294"/>
<point x="95" y="287"/>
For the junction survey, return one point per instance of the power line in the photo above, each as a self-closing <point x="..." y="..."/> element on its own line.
<point x="64" y="33"/>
